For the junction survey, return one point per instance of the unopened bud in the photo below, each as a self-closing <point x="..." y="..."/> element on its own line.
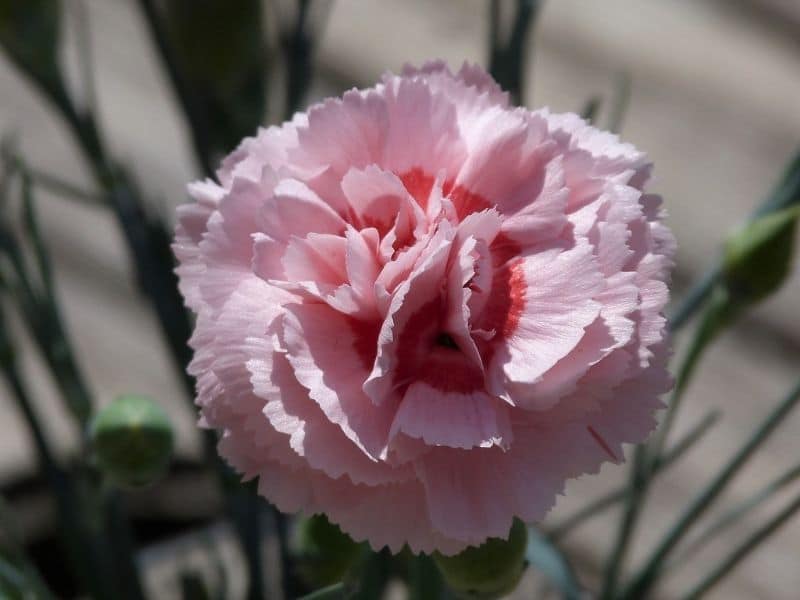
<point x="758" y="258"/>
<point x="324" y="552"/>
<point x="490" y="570"/>
<point x="132" y="440"/>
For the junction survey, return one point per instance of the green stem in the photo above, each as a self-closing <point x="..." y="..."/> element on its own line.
<point x="508" y="58"/>
<point x="634" y="503"/>
<point x="743" y="550"/>
<point x="735" y="515"/>
<point x="719" y="314"/>
<point x="197" y="121"/>
<point x="645" y="579"/>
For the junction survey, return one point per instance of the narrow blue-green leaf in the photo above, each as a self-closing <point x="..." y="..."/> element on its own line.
<point x="741" y="551"/>
<point x="720" y="312"/>
<point x="736" y="514"/>
<point x="649" y="573"/>
<point x="546" y="557"/>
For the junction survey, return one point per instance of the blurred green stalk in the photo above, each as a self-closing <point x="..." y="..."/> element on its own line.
<point x="646" y="577"/>
<point x="508" y="56"/>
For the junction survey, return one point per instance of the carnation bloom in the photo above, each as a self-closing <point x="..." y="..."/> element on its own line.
<point x="421" y="310"/>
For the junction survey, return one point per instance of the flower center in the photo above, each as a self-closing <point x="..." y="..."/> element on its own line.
<point x="445" y="340"/>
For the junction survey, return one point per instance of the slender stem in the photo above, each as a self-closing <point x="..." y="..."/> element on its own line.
<point x="297" y="49"/>
<point x="736" y="514"/>
<point x="743" y="550"/>
<point x="507" y="59"/>
<point x="245" y="509"/>
<point x="717" y="316"/>
<point x="198" y="125"/>
<point x="73" y="535"/>
<point x="288" y="582"/>
<point x="694" y="298"/>
<point x="645" y="579"/>
<point x="634" y="503"/>
<point x="719" y="313"/>
<point x="64" y="188"/>
<point x="591" y="108"/>
<point x="619" y="105"/>
<point x="84" y="42"/>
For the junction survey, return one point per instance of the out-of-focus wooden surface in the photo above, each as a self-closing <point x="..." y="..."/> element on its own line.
<point x="715" y="95"/>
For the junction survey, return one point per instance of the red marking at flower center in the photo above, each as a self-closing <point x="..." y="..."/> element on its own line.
<point x="427" y="354"/>
<point x="366" y="340"/>
<point x="419" y="185"/>
<point x="507" y="297"/>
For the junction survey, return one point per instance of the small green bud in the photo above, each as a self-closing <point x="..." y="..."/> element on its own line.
<point x="132" y="440"/>
<point x="758" y="258"/>
<point x="490" y="570"/>
<point x="324" y="552"/>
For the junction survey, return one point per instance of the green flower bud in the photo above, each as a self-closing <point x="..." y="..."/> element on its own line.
<point x="132" y="440"/>
<point x="490" y="570"/>
<point x="324" y="552"/>
<point x="758" y="258"/>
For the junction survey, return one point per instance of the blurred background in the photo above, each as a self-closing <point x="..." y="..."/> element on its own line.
<point x="713" y="96"/>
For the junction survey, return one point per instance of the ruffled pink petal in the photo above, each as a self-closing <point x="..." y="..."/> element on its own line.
<point x="543" y="332"/>
<point x="326" y="351"/>
<point x="458" y="420"/>
<point x="417" y="300"/>
<point x="422" y="287"/>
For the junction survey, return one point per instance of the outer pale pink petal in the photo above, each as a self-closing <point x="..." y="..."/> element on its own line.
<point x="340" y="134"/>
<point x="292" y="210"/>
<point x="458" y="420"/>
<point x="269" y="147"/>
<point x="628" y="415"/>
<point x="318" y="258"/>
<point x="609" y="156"/>
<point x="541" y="217"/>
<point x="474" y="494"/>
<point x="227" y="246"/>
<point x="507" y="153"/>
<point x="471" y="90"/>
<point x="362" y="512"/>
<point x="189" y="230"/>
<point x="221" y="344"/>
<point x="546" y="332"/>
<point x="312" y="436"/>
<point x="613" y="329"/>
<point x="470" y="75"/>
<point x="423" y="128"/>
<point x="323" y="349"/>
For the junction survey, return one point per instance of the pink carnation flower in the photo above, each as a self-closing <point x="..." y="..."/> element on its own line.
<point x="421" y="310"/>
